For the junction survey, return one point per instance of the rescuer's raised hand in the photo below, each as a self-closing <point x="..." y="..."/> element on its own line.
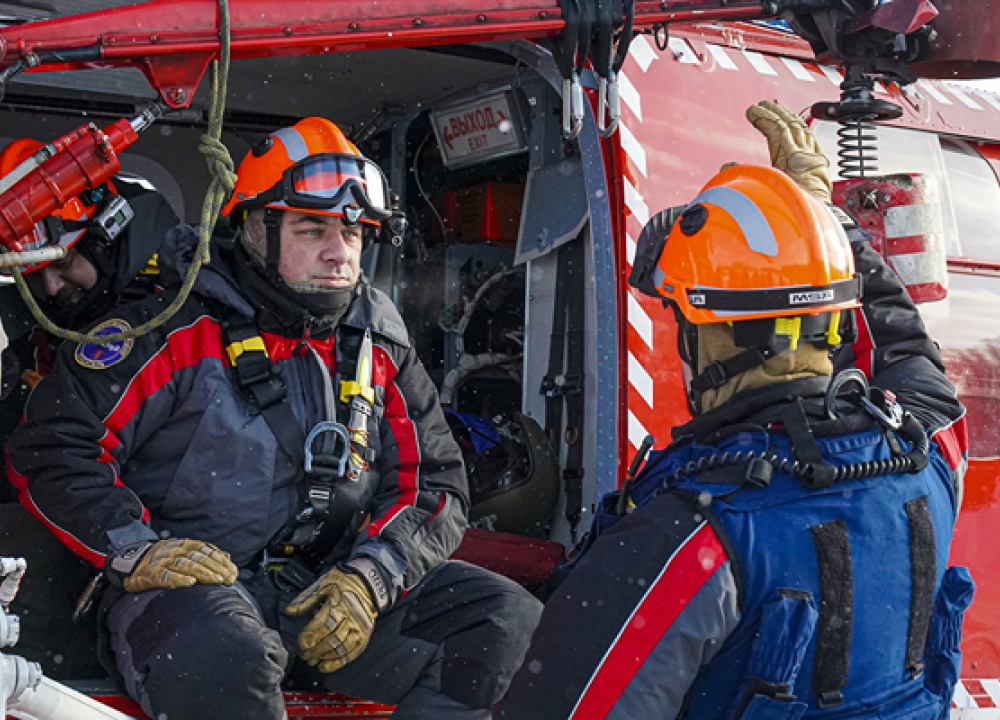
<point x="340" y="631"/>
<point x="794" y="149"/>
<point x="171" y="564"/>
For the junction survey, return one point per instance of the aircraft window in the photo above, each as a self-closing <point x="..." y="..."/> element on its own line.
<point x="975" y="194"/>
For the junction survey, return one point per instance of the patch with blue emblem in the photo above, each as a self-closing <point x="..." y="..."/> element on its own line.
<point x="101" y="357"/>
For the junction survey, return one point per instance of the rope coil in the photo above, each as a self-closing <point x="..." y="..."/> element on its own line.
<point x="221" y="168"/>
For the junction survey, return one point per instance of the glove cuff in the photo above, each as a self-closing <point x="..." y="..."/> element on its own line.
<point x="371" y="575"/>
<point x="122" y="562"/>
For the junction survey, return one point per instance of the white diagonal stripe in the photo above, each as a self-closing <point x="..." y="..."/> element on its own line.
<point x="961" y="698"/>
<point x="629" y="95"/>
<point x="759" y="63"/>
<point x="630" y="249"/>
<point x="935" y="93"/>
<point x="964" y="99"/>
<point x="638" y="319"/>
<point x="636" y="432"/>
<point x="991" y="99"/>
<point x="635" y="203"/>
<point x="640" y="379"/>
<point x="682" y="51"/>
<point x="797" y="69"/>
<point x="992" y="688"/>
<point x="832" y="74"/>
<point x="722" y="57"/>
<point x="642" y="52"/>
<point x="633" y="148"/>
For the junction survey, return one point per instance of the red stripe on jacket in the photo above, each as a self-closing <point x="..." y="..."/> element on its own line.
<point x="864" y="346"/>
<point x="953" y="441"/>
<point x="20" y="482"/>
<point x="405" y="433"/>
<point x="184" y="348"/>
<point x="685" y="573"/>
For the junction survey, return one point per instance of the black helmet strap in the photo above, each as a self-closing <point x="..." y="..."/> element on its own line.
<point x="272" y="230"/>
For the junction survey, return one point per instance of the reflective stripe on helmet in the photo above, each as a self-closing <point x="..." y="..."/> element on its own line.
<point x="295" y="144"/>
<point x="756" y="229"/>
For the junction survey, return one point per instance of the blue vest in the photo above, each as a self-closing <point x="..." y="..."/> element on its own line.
<point x="848" y="609"/>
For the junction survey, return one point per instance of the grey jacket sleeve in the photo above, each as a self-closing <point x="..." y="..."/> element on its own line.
<point x="421" y="506"/>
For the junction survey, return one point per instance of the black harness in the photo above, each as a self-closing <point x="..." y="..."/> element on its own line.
<point x="328" y="456"/>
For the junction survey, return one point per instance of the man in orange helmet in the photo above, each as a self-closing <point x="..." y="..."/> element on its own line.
<point x="110" y="236"/>
<point x="786" y="555"/>
<point x="270" y="475"/>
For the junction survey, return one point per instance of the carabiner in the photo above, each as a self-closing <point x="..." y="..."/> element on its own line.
<point x="572" y="109"/>
<point x="334" y="463"/>
<point x="608" y="98"/>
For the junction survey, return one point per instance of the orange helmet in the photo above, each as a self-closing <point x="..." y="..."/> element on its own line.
<point x="310" y="167"/>
<point x="64" y="227"/>
<point x="753" y="245"/>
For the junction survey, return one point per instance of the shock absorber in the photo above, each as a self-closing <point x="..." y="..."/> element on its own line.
<point x="857" y="112"/>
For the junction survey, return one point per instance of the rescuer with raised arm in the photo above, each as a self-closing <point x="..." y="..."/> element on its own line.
<point x="270" y="475"/>
<point x="786" y="555"/>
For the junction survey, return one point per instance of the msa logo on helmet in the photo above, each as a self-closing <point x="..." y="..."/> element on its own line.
<point x="810" y="297"/>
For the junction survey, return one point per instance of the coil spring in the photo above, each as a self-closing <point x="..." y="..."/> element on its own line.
<point x="857" y="141"/>
<point x="854" y="471"/>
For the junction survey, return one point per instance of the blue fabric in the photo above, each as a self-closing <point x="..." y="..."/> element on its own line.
<point x="482" y="431"/>
<point x="769" y="532"/>
<point x="944" y="657"/>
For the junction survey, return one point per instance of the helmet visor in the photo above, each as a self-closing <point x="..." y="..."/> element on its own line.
<point x="333" y="182"/>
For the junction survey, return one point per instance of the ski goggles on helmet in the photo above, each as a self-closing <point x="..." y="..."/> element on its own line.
<point x="345" y="185"/>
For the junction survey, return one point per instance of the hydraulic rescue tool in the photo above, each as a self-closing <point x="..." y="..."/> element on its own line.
<point x="81" y="160"/>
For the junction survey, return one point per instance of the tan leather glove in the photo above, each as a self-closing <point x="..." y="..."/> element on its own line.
<point x="341" y="629"/>
<point x="178" y="563"/>
<point x="794" y="149"/>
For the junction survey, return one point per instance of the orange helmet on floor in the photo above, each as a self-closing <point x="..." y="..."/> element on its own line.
<point x="64" y="227"/>
<point x="752" y="246"/>
<point x="310" y="167"/>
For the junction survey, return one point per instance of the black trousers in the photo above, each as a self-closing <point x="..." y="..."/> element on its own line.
<point x="447" y="649"/>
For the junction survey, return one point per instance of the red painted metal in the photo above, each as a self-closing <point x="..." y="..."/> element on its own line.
<point x="965" y="266"/>
<point x="300" y="706"/>
<point x="87" y="157"/>
<point x="967" y="45"/>
<point x="910" y="246"/>
<point x="187" y="30"/>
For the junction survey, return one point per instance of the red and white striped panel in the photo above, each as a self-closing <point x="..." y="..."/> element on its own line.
<point x="976" y="700"/>
<point x="653" y="406"/>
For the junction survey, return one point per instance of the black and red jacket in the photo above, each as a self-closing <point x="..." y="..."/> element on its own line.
<point x="162" y="442"/>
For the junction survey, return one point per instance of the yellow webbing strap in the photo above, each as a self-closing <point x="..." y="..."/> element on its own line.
<point x="254" y="344"/>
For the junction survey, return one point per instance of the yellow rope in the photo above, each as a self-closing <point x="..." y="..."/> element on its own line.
<point x="220" y="165"/>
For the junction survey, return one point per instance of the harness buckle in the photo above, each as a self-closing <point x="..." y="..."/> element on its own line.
<point x="715" y="375"/>
<point x="332" y="464"/>
<point x="890" y="415"/>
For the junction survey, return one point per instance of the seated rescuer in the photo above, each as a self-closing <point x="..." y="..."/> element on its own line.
<point x="786" y="555"/>
<point x="111" y="236"/>
<point x="278" y="440"/>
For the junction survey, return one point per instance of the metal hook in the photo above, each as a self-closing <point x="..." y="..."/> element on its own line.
<point x="608" y="106"/>
<point x="339" y="460"/>
<point x="572" y="109"/>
